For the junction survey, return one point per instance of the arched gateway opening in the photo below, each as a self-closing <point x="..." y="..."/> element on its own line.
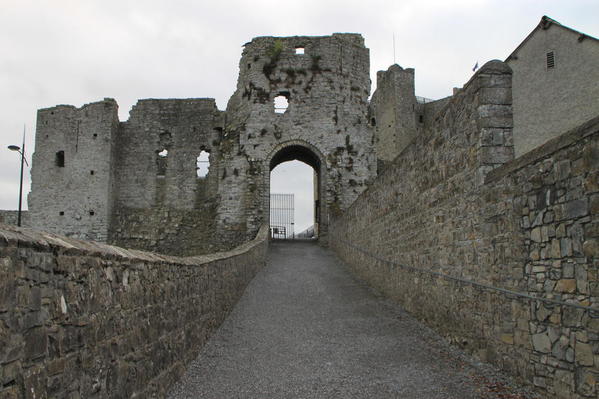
<point x="288" y="215"/>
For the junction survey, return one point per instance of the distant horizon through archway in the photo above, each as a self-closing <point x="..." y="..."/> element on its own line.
<point x="296" y="178"/>
<point x="301" y="174"/>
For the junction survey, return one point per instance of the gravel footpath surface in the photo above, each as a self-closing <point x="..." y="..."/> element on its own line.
<point x="305" y="328"/>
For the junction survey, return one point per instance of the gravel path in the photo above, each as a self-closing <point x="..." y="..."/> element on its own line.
<point x="306" y="329"/>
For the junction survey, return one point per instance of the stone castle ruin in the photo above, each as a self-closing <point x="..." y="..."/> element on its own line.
<point x="135" y="184"/>
<point x="493" y="243"/>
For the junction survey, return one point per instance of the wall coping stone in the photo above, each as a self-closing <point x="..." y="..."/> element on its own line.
<point x="587" y="129"/>
<point x="29" y="238"/>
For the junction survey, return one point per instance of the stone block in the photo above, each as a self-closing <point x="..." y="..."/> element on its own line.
<point x="584" y="354"/>
<point x="591" y="230"/>
<point x="496" y="154"/>
<point x="594" y="207"/>
<point x="10" y="392"/>
<point x="585" y="382"/>
<point x="555" y="251"/>
<point x="566" y="247"/>
<point x="566" y="285"/>
<point x="495" y="95"/>
<point x="575" y="209"/>
<point x="590" y="156"/>
<point x="494" y="110"/>
<point x="34" y="383"/>
<point x="492" y="137"/>
<point x="507" y="339"/>
<point x="568" y="270"/>
<point x="535" y="234"/>
<point x="541" y="343"/>
<point x="503" y="81"/>
<point x="563" y="383"/>
<point x="36" y="343"/>
<point x="540" y="382"/>
<point x="572" y="317"/>
<point x="10" y="372"/>
<point x="560" y="347"/>
<point x="591" y="183"/>
<point x="590" y="248"/>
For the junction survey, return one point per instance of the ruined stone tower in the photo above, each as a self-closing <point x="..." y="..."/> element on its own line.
<point x="135" y="184"/>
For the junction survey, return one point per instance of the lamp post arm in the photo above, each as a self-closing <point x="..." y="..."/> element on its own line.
<point x="24" y="158"/>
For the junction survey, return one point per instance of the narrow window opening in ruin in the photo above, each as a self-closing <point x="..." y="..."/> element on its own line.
<point x="92" y="213"/>
<point x="95" y="135"/>
<point x="420" y="118"/>
<point x="299" y="50"/>
<point x="281" y="104"/>
<point x="550" y="60"/>
<point x="60" y="159"/>
<point x="373" y="122"/>
<point x="61" y="213"/>
<point x="203" y="164"/>
<point x="91" y="172"/>
<point x="161" y="162"/>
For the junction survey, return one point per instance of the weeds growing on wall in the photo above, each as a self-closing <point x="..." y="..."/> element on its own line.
<point x="273" y="53"/>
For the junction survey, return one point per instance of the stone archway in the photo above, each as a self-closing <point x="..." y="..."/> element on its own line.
<point x="307" y="153"/>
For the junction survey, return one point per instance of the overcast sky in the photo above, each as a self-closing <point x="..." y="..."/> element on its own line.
<point x="80" y="51"/>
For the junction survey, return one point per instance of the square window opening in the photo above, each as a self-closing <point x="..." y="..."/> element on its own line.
<point x="281" y="103"/>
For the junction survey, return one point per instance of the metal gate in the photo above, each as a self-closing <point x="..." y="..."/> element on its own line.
<point x="281" y="216"/>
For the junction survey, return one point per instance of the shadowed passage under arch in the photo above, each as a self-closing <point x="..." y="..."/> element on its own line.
<point x="296" y="152"/>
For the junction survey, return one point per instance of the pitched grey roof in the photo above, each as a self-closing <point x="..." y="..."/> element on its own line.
<point x="546" y="23"/>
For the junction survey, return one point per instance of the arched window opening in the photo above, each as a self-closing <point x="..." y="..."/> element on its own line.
<point x="203" y="164"/>
<point x="299" y="50"/>
<point x="281" y="103"/>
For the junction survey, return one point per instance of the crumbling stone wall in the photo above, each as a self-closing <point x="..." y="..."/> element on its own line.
<point x="12" y="217"/>
<point x="393" y="111"/>
<point x="145" y="193"/>
<point x="466" y="238"/>
<point x="82" y="319"/>
<point x="327" y="89"/>
<point x="396" y="115"/>
<point x="161" y="204"/>
<point x="72" y="175"/>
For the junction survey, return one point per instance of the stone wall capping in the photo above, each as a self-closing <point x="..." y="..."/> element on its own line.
<point x="29" y="238"/>
<point x="585" y="130"/>
<point x="493" y="67"/>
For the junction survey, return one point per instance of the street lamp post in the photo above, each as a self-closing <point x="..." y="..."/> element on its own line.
<point x="20" y="150"/>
